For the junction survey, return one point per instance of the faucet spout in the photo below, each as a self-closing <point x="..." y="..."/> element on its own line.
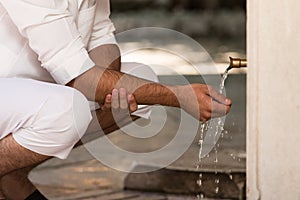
<point x="237" y="63"/>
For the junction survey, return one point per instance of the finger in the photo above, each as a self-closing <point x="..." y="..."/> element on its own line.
<point x="115" y="99"/>
<point x="132" y="103"/>
<point x="123" y="99"/>
<point x="219" y="109"/>
<point x="219" y="97"/>
<point x="107" y="102"/>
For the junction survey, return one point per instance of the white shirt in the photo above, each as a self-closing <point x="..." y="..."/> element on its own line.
<point x="49" y="40"/>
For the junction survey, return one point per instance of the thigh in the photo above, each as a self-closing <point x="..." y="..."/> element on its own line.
<point x="20" y="100"/>
<point x="45" y="118"/>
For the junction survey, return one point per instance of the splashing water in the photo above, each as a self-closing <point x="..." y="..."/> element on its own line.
<point x="222" y="84"/>
<point x="219" y="128"/>
<point x="203" y="129"/>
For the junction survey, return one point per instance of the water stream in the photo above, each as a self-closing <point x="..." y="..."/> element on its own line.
<point x="218" y="130"/>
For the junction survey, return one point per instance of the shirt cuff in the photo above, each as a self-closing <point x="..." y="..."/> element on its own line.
<point x="73" y="67"/>
<point x="102" y="36"/>
<point x="108" y="39"/>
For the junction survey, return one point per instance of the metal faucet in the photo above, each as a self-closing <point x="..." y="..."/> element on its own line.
<point x="237" y="63"/>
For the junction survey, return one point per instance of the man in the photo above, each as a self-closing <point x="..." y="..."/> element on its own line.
<point x="68" y="42"/>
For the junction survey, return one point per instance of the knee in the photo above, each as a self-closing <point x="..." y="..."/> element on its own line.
<point x="81" y="113"/>
<point x="66" y="114"/>
<point x="57" y="122"/>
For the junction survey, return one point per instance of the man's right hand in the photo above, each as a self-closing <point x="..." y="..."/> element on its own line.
<point x="203" y="101"/>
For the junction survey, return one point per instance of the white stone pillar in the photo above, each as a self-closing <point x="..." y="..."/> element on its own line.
<point x="273" y="100"/>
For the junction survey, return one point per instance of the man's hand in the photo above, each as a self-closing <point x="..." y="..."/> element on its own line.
<point x="113" y="114"/>
<point x="205" y="98"/>
<point x="117" y="107"/>
<point x="119" y="102"/>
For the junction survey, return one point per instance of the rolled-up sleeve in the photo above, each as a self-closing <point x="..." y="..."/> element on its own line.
<point x="53" y="36"/>
<point x="103" y="28"/>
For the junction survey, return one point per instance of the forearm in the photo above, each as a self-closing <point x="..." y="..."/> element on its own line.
<point x="98" y="82"/>
<point x="108" y="57"/>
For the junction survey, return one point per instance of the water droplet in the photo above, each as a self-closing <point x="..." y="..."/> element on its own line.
<point x="216" y="160"/>
<point x="200" y="142"/>
<point x="230" y="176"/>
<point x="199" y="182"/>
<point x="217" y="180"/>
<point x="217" y="190"/>
<point x="200" y="196"/>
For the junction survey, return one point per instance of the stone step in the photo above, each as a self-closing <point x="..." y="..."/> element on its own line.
<point x="184" y="181"/>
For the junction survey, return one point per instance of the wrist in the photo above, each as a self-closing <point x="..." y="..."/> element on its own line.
<point x="175" y="95"/>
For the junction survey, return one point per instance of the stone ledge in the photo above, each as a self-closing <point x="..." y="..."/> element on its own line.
<point x="183" y="181"/>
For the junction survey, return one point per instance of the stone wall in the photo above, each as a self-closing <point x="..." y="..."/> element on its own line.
<point x="273" y="103"/>
<point x="178" y="4"/>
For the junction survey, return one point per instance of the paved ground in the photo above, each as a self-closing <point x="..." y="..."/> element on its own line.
<point x="83" y="178"/>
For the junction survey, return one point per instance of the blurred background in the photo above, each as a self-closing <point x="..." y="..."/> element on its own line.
<point x="219" y="26"/>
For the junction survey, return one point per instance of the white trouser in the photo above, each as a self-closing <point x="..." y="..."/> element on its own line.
<point x="46" y="118"/>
